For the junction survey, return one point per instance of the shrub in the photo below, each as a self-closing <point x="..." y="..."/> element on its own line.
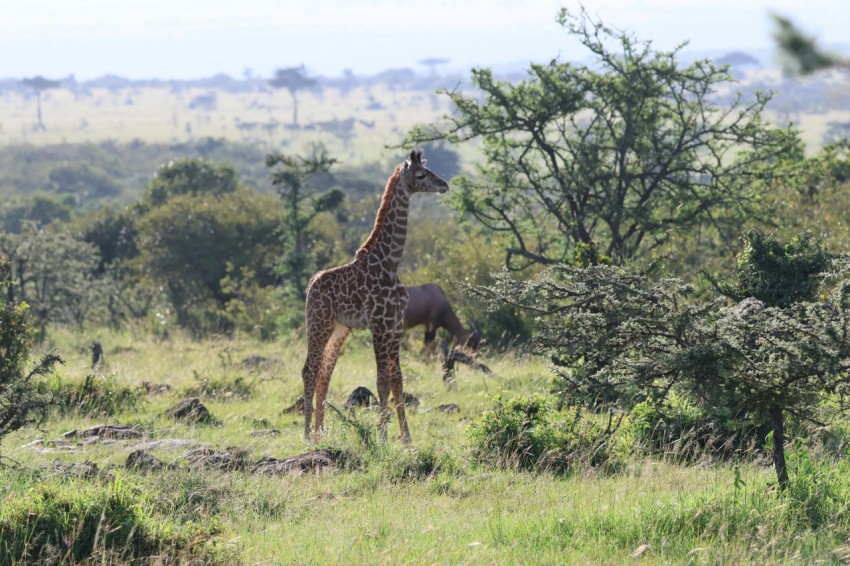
<point x="93" y="396"/>
<point x="21" y="403"/>
<point x="526" y="433"/>
<point x="679" y="429"/>
<point x="74" y="521"/>
<point x="420" y="463"/>
<point x="222" y="388"/>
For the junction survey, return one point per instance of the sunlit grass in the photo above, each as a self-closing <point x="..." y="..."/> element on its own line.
<point x="425" y="504"/>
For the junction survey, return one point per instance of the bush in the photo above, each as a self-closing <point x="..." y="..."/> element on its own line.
<point x="527" y="433"/>
<point x="21" y="403"/>
<point x="679" y="429"/>
<point x="420" y="463"/>
<point x="74" y="521"/>
<point x="94" y="396"/>
<point x="222" y="388"/>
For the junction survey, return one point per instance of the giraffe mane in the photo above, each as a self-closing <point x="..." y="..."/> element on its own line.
<point x="382" y="211"/>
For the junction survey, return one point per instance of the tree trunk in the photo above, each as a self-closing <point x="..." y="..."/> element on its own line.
<point x="38" y="111"/>
<point x="294" y="108"/>
<point x="779" y="446"/>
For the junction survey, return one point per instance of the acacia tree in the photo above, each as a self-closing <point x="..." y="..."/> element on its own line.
<point x="39" y="84"/>
<point x="292" y="176"/>
<point x="612" y="334"/>
<point x="293" y="79"/>
<point x="621" y="155"/>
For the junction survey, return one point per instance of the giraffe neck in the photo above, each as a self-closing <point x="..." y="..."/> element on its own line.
<point x="389" y="247"/>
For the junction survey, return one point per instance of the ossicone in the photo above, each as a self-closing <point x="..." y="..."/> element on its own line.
<point x="416" y="157"/>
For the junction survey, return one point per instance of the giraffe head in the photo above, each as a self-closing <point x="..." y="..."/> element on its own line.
<point x="420" y="179"/>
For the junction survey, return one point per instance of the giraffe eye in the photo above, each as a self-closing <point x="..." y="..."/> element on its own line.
<point x="420" y="176"/>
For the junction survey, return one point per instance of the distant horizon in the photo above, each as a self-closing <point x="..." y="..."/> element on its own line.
<point x="764" y="55"/>
<point x="191" y="39"/>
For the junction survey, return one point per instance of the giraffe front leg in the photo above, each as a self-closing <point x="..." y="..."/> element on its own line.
<point x="383" y="398"/>
<point x="308" y="376"/>
<point x="398" y="398"/>
<point x="389" y="379"/>
<point x="397" y="388"/>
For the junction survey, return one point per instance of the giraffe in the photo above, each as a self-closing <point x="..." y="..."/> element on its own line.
<point x="366" y="293"/>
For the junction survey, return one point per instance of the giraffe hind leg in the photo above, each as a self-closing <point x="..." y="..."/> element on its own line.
<point x="331" y="353"/>
<point x="320" y="327"/>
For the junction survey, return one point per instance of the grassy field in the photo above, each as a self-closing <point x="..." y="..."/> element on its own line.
<point x="425" y="504"/>
<point x="355" y="125"/>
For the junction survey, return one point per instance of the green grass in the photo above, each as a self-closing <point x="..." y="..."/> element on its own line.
<point x="430" y="503"/>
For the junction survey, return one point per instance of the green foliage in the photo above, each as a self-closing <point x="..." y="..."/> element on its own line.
<point x="54" y="272"/>
<point x="259" y="311"/>
<point x="193" y="242"/>
<point x="820" y="488"/>
<point x="81" y="521"/>
<point x="525" y="433"/>
<point x="611" y="334"/>
<point x="190" y="176"/>
<point x="113" y="231"/>
<point x="293" y="176"/>
<point x="39" y="211"/>
<point x="626" y="154"/>
<point x="800" y="53"/>
<point x="778" y="273"/>
<point x="679" y="429"/>
<point x="83" y="181"/>
<point x="21" y="404"/>
<point x="420" y="463"/>
<point x="94" y="396"/>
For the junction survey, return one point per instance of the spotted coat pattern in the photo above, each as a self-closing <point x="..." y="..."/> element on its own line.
<point x="366" y="293"/>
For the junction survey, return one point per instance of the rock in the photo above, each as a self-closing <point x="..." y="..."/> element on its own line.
<point x="411" y="401"/>
<point x="106" y="431"/>
<point x="265" y="432"/>
<point x="170" y="444"/>
<point x="156" y="388"/>
<point x="360" y="397"/>
<point x="313" y="461"/>
<point x="449" y="409"/>
<point x="191" y="410"/>
<point x="141" y="460"/>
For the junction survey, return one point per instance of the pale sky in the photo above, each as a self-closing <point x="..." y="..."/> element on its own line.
<point x="198" y="38"/>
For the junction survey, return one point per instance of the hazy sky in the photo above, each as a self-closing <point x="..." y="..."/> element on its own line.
<point x="197" y="38"/>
